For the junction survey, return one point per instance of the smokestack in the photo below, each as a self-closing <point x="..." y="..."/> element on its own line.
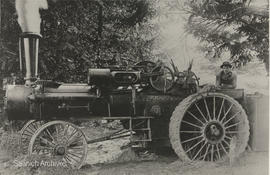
<point x="29" y="44"/>
<point x="29" y="20"/>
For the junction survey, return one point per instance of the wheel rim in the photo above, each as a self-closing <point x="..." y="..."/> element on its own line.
<point x="61" y="140"/>
<point x="28" y="131"/>
<point x="210" y="127"/>
<point x="162" y="82"/>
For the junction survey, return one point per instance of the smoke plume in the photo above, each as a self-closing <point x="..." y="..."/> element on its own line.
<point x="28" y="14"/>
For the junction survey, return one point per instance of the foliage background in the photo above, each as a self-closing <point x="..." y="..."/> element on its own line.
<point x="76" y="32"/>
<point x="235" y="26"/>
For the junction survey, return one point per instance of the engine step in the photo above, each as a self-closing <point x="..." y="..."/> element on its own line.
<point x="146" y="135"/>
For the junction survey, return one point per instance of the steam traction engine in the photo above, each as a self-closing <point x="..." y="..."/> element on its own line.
<point x="157" y="106"/>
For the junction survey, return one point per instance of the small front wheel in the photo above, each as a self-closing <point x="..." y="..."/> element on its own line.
<point x="61" y="140"/>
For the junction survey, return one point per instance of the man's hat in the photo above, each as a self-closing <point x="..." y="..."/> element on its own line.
<point x="227" y="64"/>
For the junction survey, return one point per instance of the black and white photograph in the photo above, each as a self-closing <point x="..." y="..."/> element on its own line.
<point x="134" y="87"/>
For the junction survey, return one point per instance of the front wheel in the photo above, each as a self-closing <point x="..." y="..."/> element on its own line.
<point x="61" y="140"/>
<point x="208" y="127"/>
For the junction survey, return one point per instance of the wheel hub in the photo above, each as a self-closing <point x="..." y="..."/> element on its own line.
<point x="60" y="150"/>
<point x="214" y="132"/>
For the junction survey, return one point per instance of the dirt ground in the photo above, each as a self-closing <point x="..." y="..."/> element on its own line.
<point x="249" y="164"/>
<point x="107" y="158"/>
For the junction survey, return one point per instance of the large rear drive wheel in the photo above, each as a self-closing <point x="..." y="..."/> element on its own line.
<point x="60" y="140"/>
<point x="208" y="127"/>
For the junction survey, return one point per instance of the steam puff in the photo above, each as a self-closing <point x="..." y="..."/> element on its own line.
<point x="28" y="14"/>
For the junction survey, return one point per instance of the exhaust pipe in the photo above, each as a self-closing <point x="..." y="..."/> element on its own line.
<point x="28" y="48"/>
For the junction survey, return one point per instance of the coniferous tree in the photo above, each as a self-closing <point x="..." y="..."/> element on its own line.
<point x="229" y="25"/>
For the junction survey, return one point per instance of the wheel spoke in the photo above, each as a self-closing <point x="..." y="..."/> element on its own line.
<point x="195" y="145"/>
<point x="219" y="157"/>
<point x="67" y="160"/>
<point x="35" y="125"/>
<point x="41" y="152"/>
<point x="47" y="142"/>
<point x="68" y="155"/>
<point x="43" y="148"/>
<point x="195" y="117"/>
<point x="221" y="107"/>
<point x="231" y="117"/>
<point x="31" y="133"/>
<point x="57" y="129"/>
<point x="72" y="134"/>
<point x="31" y="129"/>
<point x="73" y="159"/>
<point x="76" y="147"/>
<point x="65" y="129"/>
<point x="214" y="107"/>
<point x="223" y="148"/>
<point x="201" y="112"/>
<point x="26" y="133"/>
<point x="215" y="151"/>
<point x="212" y="153"/>
<point x="50" y="135"/>
<point x="191" y="124"/>
<point x="76" y="151"/>
<point x="74" y="139"/>
<point x="233" y="125"/>
<point x="75" y="155"/>
<point x="228" y="137"/>
<point x="227" y="113"/>
<point x="226" y="143"/>
<point x="194" y="138"/>
<point x="206" y="152"/>
<point x="206" y="106"/>
<point x="199" y="150"/>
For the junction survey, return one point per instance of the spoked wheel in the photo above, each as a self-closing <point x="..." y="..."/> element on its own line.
<point x="164" y="80"/>
<point x="28" y="131"/>
<point x="208" y="127"/>
<point x="61" y="140"/>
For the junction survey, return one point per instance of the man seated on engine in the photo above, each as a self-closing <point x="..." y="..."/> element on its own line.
<point x="226" y="77"/>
